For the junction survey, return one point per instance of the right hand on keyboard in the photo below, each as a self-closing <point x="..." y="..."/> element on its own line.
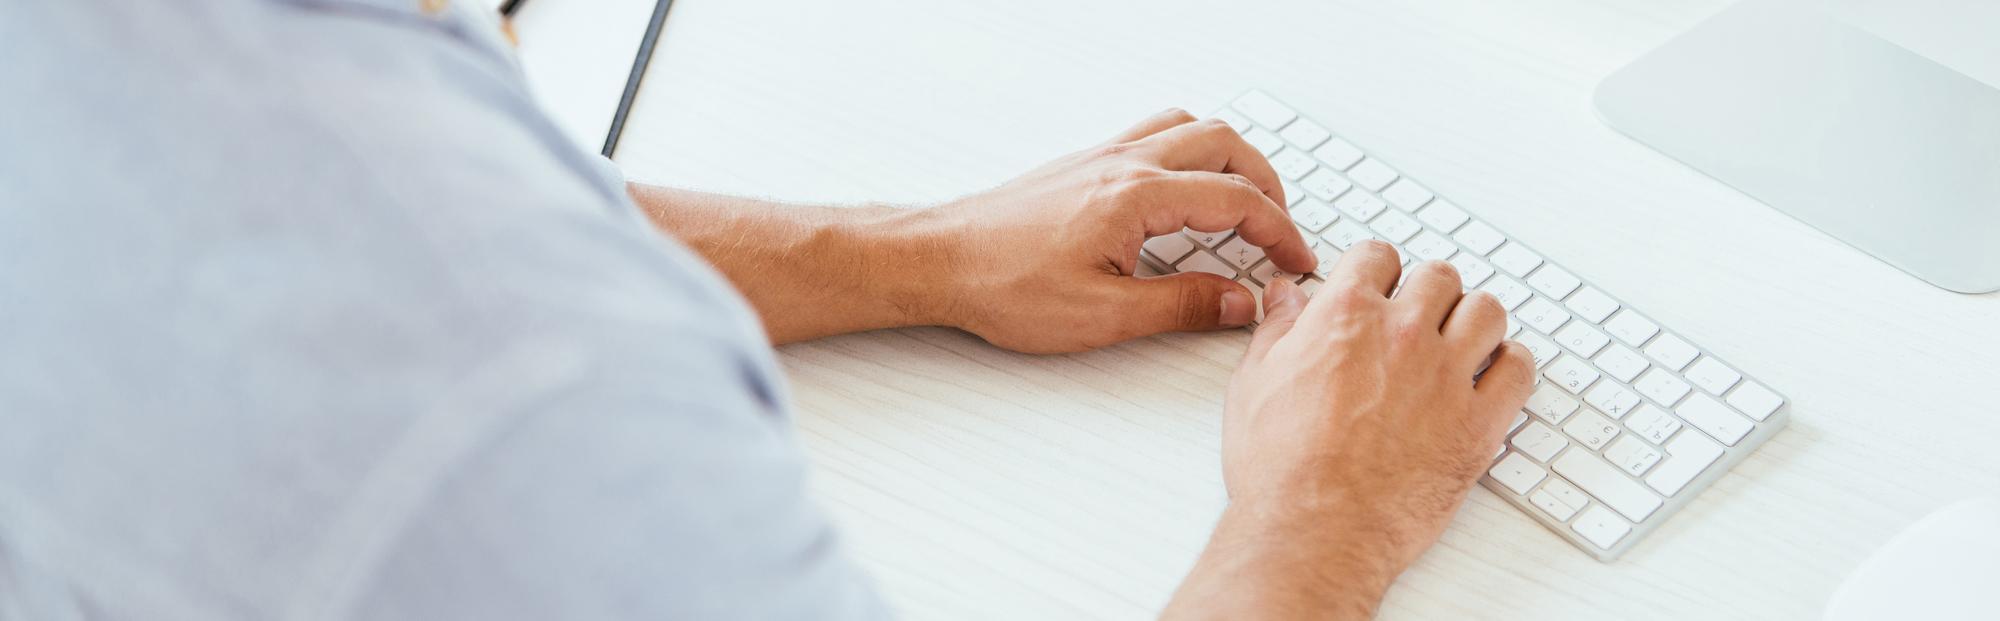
<point x="1046" y="262"/>
<point x="1353" y="430"/>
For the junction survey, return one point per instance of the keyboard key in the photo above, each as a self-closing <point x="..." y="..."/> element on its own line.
<point x="1265" y="142"/>
<point x="1517" y="473"/>
<point x="1652" y="424"/>
<point x="1607" y="485"/>
<point x="1542" y="349"/>
<point x="1305" y="134"/>
<point x="1591" y="430"/>
<point x="1550" y="404"/>
<point x="1208" y="240"/>
<point x="1715" y="419"/>
<point x="1662" y="387"/>
<point x="1672" y="352"/>
<point x="1292" y="193"/>
<point x="1445" y="217"/>
<point x="1553" y="281"/>
<point x="1264" y="109"/>
<point x="1687" y="456"/>
<point x="1579" y="337"/>
<point x="1547" y="502"/>
<point x="1471" y="270"/>
<point x="1711" y="375"/>
<point x="1566" y="494"/>
<point x="1407" y="195"/>
<point x="1592" y="305"/>
<point x="1343" y="235"/>
<point x="1239" y="253"/>
<point x="1755" y="400"/>
<point x="1328" y="256"/>
<point x="1516" y="259"/>
<point x="1372" y="174"/>
<point x="1631" y="328"/>
<point x="1314" y="216"/>
<point x="1361" y="205"/>
<point x="1293" y="163"/>
<point x="1268" y="271"/>
<point x="1205" y="262"/>
<point x="1571" y="373"/>
<point x="1633" y="456"/>
<point x="1395" y="227"/>
<point x="1612" y="399"/>
<point x="1338" y="154"/>
<point x="1600" y="527"/>
<point x="1539" y="442"/>
<point x="1481" y="238"/>
<point x="1310" y="286"/>
<point x="1325" y="184"/>
<point x="1511" y="292"/>
<point x="1431" y="246"/>
<point x="1620" y="363"/>
<point x="1235" y="119"/>
<point x="1542" y="315"/>
<point x="1170" y="248"/>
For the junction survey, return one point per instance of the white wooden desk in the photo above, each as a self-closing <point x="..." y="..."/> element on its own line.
<point x="978" y="483"/>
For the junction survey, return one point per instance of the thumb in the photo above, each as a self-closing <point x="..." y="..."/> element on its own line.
<point x="1189" y="301"/>
<point x="1283" y="302"/>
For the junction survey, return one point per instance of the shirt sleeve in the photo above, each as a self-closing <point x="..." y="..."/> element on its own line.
<point x="656" y="488"/>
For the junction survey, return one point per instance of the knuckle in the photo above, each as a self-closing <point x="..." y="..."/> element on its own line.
<point x="1523" y="360"/>
<point x="1482" y="308"/>
<point x="1516" y="354"/>
<point x="1442" y="269"/>
<point x="1138" y="174"/>
<point x="1218" y="130"/>
<point x="1349" y="299"/>
<point x="1488" y="304"/>
<point x="1412" y="332"/>
<point x="1242" y="183"/>
<point x="1178" y="114"/>
<point x="1112" y="151"/>
<point x="1192" y="308"/>
<point x="1127" y="181"/>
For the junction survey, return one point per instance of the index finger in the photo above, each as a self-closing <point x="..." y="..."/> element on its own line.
<point x="1206" y="201"/>
<point x="1212" y="145"/>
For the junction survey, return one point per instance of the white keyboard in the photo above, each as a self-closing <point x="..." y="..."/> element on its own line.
<point x="1628" y="421"/>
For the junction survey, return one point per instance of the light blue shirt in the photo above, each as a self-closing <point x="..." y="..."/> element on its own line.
<point x="307" y="312"/>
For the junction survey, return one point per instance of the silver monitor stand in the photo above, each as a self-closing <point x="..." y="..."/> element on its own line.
<point x="1876" y="121"/>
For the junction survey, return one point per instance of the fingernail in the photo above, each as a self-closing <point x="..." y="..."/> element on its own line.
<point x="1238" y="308"/>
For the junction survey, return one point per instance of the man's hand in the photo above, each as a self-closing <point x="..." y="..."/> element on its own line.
<point x="1352" y="432"/>
<point x="1045" y="263"/>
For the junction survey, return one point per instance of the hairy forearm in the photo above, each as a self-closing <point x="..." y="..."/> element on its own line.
<point x="1288" y="564"/>
<point x="813" y="271"/>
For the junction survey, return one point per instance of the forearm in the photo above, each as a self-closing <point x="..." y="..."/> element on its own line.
<point x="813" y="271"/>
<point x="1288" y="564"/>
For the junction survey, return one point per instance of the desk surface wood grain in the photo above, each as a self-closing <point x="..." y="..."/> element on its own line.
<point x="978" y="483"/>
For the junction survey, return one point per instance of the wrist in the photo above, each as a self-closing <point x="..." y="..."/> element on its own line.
<point x="1368" y="549"/>
<point x="1266" y="558"/>
<point x="910" y="260"/>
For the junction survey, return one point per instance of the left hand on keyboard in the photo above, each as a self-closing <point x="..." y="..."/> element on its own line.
<point x="1045" y="263"/>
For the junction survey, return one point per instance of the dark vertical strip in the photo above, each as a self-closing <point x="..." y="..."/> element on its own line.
<point x="638" y="72"/>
